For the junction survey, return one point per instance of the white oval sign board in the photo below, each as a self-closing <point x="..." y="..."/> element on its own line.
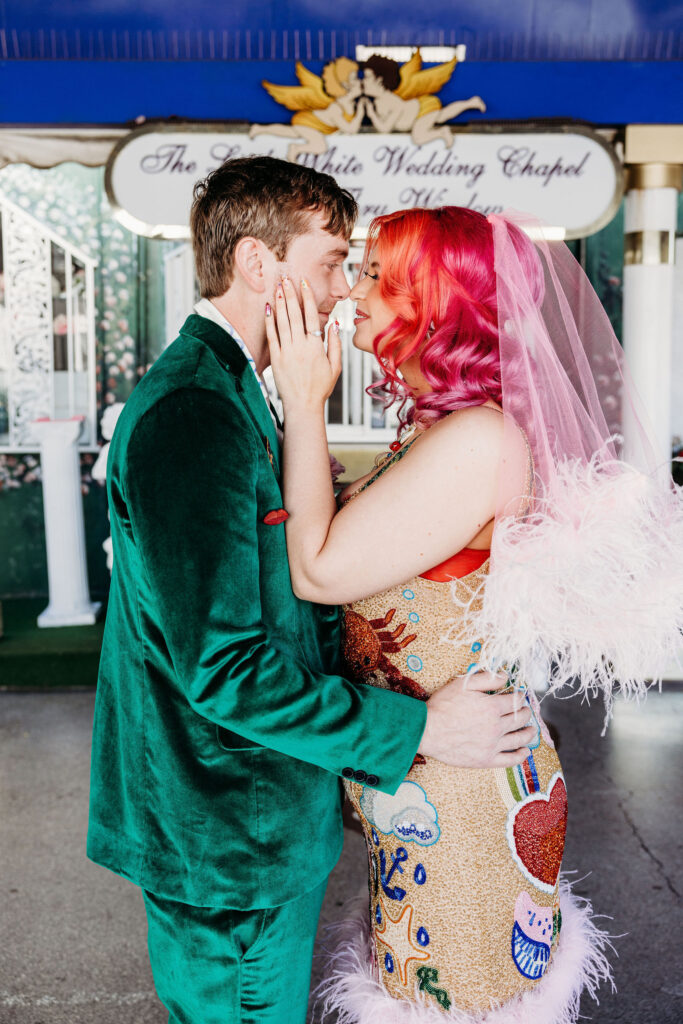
<point x="569" y="178"/>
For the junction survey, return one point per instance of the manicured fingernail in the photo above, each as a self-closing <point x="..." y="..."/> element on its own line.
<point x="286" y="281"/>
<point x="279" y="292"/>
<point x="304" y="282"/>
<point x="336" y="326"/>
<point x="269" y="311"/>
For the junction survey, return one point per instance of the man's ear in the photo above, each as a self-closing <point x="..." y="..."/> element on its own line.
<point x="251" y="263"/>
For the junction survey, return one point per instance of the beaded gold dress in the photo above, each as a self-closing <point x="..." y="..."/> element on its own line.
<point x="464" y="916"/>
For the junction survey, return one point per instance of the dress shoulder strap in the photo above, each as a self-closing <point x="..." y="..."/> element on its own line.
<point x="391" y="461"/>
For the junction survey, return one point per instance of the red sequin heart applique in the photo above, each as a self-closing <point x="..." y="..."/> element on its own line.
<point x="278" y="515"/>
<point x="535" y="831"/>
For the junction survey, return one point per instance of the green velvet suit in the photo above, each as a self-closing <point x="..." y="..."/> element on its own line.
<point x="222" y="725"/>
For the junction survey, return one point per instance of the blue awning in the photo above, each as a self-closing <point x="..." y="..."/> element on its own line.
<point x="111" y="61"/>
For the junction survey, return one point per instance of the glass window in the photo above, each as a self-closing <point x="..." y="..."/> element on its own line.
<point x="59" y="318"/>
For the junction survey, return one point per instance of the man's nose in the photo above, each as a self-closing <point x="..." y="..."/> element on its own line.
<point x="340" y="286"/>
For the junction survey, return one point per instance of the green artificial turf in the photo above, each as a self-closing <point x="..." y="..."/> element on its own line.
<point x="34" y="658"/>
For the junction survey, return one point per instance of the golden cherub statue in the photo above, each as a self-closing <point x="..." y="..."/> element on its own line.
<point x="400" y="97"/>
<point x="393" y="96"/>
<point x="323" y="105"/>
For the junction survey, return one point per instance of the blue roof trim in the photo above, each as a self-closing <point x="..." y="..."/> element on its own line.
<point x="116" y="92"/>
<point x="154" y="44"/>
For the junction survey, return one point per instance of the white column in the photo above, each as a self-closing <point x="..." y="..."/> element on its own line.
<point x="70" y="603"/>
<point x="650" y="230"/>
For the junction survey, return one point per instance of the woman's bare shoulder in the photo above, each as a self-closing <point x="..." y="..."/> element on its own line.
<point x="479" y="428"/>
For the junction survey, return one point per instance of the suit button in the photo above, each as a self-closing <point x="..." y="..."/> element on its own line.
<point x="360" y="775"/>
<point x="347" y="773"/>
<point x="372" y="780"/>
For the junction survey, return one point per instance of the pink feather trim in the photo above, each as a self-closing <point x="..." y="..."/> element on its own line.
<point x="579" y="965"/>
<point x="588" y="588"/>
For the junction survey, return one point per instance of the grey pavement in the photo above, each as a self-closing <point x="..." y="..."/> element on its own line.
<point x="73" y="936"/>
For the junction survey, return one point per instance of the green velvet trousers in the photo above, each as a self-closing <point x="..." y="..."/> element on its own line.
<point x="212" y="965"/>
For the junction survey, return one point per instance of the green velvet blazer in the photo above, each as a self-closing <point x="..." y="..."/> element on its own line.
<point x="222" y="725"/>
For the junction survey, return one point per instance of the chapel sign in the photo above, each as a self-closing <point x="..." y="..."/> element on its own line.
<point x="386" y="139"/>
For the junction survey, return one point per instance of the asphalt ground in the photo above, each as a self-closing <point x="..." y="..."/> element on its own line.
<point x="73" y="935"/>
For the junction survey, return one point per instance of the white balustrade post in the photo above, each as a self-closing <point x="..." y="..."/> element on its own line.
<point x="650" y="218"/>
<point x="650" y="229"/>
<point x="69" y="603"/>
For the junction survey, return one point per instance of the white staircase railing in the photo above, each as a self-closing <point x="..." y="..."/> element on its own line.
<point x="180" y="288"/>
<point x="47" y="331"/>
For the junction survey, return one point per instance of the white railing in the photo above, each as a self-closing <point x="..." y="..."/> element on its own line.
<point x="180" y="289"/>
<point x="47" y="331"/>
<point x="352" y="416"/>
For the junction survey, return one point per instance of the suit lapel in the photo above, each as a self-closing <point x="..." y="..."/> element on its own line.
<point x="233" y="359"/>
<point x="252" y="398"/>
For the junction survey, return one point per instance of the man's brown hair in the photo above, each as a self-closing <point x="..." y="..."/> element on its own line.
<point x="260" y="197"/>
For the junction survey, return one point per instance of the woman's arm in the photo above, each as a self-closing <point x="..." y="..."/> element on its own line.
<point x="424" y="509"/>
<point x="429" y="505"/>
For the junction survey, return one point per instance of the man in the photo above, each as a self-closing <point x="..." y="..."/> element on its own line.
<point x="222" y="726"/>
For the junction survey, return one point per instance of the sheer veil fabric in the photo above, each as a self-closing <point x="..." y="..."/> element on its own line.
<point x="586" y="582"/>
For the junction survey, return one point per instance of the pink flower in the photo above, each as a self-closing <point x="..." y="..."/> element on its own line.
<point x="336" y="468"/>
<point x="59" y="324"/>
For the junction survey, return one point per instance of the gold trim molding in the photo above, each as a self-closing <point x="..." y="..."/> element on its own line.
<point x="654" y="176"/>
<point x="653" y="144"/>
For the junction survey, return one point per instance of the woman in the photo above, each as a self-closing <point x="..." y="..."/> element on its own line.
<point x="467" y="916"/>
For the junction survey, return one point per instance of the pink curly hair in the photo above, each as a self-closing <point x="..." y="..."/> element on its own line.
<point x="437" y="274"/>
